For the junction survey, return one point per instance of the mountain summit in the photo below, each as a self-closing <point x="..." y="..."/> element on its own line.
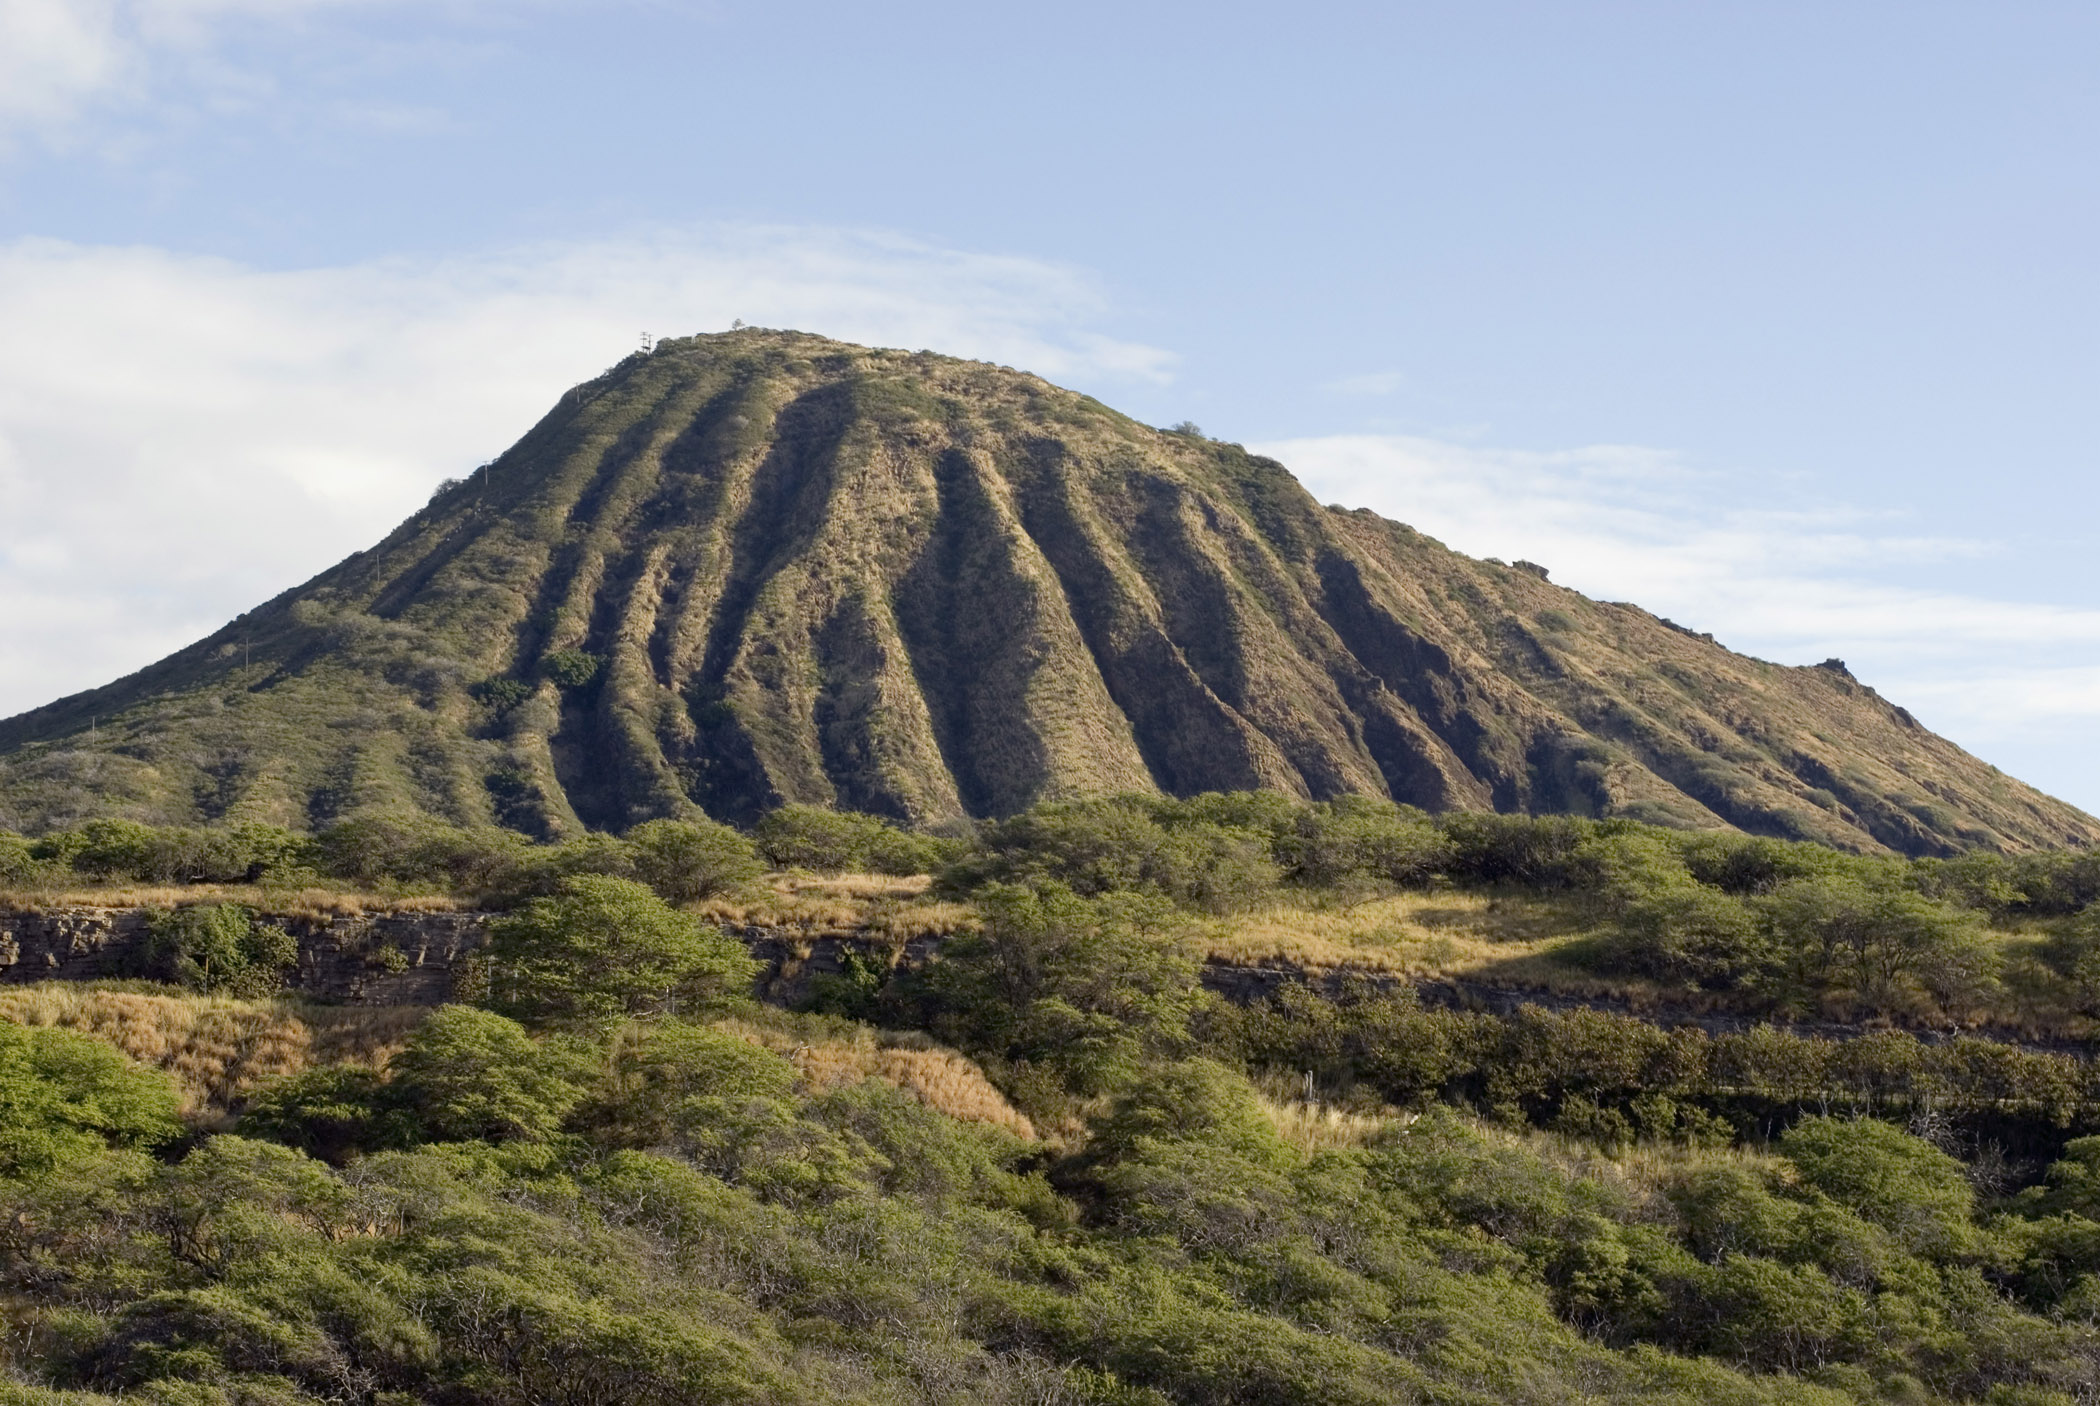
<point x="763" y="567"/>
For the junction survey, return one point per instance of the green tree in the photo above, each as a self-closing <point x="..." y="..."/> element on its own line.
<point x="1878" y="936"/>
<point x="117" y="850"/>
<point x="606" y="947"/>
<point x="1745" y="865"/>
<point x="811" y="837"/>
<point x="688" y="860"/>
<point x="64" y="1095"/>
<point x="219" y="947"/>
<point x="1363" y="846"/>
<point x="1190" y="1101"/>
<point x="334" y="1112"/>
<point x="1088" y="989"/>
<point x="379" y="846"/>
<point x="469" y="1074"/>
<point x="1692" y="934"/>
<point x="18" y="862"/>
<point x="2073" y="952"/>
<point x="1887" y="1177"/>
<point x="1131" y="843"/>
<point x="658" y="1068"/>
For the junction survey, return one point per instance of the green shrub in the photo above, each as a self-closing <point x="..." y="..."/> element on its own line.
<point x="538" y="871"/>
<point x="906" y="853"/>
<point x="1744" y="865"/>
<point x="64" y="1096"/>
<point x="688" y="860"/>
<point x="1876" y="936"/>
<point x="1091" y="847"/>
<point x="2073" y="952"/>
<point x="333" y="1112"/>
<point x="657" y="1069"/>
<point x="571" y="668"/>
<point x="380" y="847"/>
<point x="817" y="838"/>
<point x="18" y="862"/>
<point x="123" y="851"/>
<point x="1189" y="1100"/>
<point x="1622" y="867"/>
<point x="1352" y="841"/>
<point x="1691" y="935"/>
<point x="608" y="947"/>
<point x="1901" y="1183"/>
<point x="470" y="1074"/>
<point x="1088" y="990"/>
<point x="1534" y="851"/>
<point x="500" y="695"/>
<point x="1127" y="844"/>
<point x="117" y="850"/>
<point x="218" y="947"/>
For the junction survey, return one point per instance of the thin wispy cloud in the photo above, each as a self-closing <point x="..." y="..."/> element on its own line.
<point x="181" y="437"/>
<point x="1774" y="573"/>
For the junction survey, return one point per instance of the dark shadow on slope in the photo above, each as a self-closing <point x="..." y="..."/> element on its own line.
<point x="968" y="621"/>
<point x="850" y="660"/>
<point x="1418" y="671"/>
<point x="603" y="751"/>
<point x="725" y="775"/>
<point x="1214" y="614"/>
<point x="1873" y="812"/>
<point x="1188" y="738"/>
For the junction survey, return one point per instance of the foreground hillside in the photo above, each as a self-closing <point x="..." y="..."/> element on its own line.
<point x="1047" y="1165"/>
<point x="763" y="567"/>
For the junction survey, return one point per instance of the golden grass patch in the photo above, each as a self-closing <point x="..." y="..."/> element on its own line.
<point x="935" y="1075"/>
<point x="271" y="902"/>
<point x="1405" y="934"/>
<point x="1323" y="1127"/>
<point x="219" y="1049"/>
<point x="876" y="905"/>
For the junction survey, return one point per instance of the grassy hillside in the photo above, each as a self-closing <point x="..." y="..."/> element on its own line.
<point x="763" y="567"/>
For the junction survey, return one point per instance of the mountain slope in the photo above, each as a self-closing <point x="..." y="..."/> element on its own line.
<point x="764" y="566"/>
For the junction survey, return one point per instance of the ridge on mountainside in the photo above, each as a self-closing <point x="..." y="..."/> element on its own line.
<point x="763" y="566"/>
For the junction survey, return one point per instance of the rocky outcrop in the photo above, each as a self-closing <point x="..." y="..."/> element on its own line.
<point x="381" y="959"/>
<point x="410" y="958"/>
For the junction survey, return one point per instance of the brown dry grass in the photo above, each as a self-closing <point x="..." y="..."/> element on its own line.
<point x="1496" y="939"/>
<point x="878" y="905"/>
<point x="1408" y="934"/>
<point x="1523" y="942"/>
<point x="219" y="1049"/>
<point x="1321" y="1127"/>
<point x="276" y="903"/>
<point x="933" y="1074"/>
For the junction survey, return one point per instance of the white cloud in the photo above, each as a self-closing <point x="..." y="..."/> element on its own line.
<point x="1777" y="575"/>
<point x="182" y="437"/>
<point x="58" y="55"/>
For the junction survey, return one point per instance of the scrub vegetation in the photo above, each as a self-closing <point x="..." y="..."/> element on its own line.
<point x="1654" y="918"/>
<point x="1050" y="1166"/>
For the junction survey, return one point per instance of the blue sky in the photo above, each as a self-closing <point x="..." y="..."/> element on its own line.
<point x="1779" y="319"/>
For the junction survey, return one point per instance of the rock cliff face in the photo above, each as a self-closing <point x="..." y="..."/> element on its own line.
<point x="390" y="958"/>
<point x="766" y="567"/>
<point x="381" y="959"/>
